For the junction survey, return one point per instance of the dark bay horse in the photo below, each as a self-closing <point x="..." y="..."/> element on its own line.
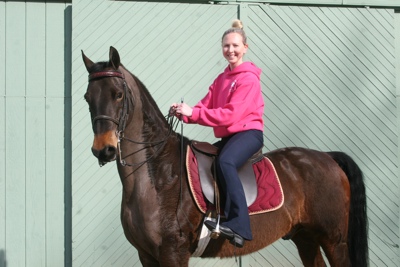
<point x="325" y="202"/>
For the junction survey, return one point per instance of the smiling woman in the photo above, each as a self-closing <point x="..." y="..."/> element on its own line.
<point x="234" y="107"/>
<point x="234" y="44"/>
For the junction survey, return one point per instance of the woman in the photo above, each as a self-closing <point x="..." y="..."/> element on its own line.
<point x="234" y="107"/>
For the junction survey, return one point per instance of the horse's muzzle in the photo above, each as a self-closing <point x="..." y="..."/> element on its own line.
<point x="107" y="154"/>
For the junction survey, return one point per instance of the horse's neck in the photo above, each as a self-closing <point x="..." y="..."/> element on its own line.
<point x="150" y="131"/>
<point x="152" y="115"/>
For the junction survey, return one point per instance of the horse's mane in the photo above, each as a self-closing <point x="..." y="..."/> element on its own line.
<point x="153" y="119"/>
<point x="144" y="92"/>
<point x="153" y="112"/>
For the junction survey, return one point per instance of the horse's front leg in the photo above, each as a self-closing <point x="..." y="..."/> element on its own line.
<point x="147" y="260"/>
<point x="175" y="260"/>
<point x="173" y="255"/>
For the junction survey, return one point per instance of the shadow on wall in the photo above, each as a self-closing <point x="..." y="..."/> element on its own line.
<point x="3" y="262"/>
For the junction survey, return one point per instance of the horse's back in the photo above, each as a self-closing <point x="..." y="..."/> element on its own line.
<point x="305" y="164"/>
<point x="311" y="181"/>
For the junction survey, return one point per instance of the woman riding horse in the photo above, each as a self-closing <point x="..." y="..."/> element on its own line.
<point x="325" y="202"/>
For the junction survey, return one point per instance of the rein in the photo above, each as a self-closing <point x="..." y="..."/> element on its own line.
<point x="121" y="122"/>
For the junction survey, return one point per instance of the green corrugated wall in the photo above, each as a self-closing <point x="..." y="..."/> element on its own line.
<point x="330" y="79"/>
<point x="34" y="132"/>
<point x="330" y="82"/>
<point x="174" y="50"/>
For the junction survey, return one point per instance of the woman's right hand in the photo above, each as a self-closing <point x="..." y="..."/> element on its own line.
<point x="181" y="109"/>
<point x="172" y="109"/>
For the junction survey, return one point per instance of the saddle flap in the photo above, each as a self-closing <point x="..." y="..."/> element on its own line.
<point x="205" y="154"/>
<point x="204" y="163"/>
<point x="249" y="183"/>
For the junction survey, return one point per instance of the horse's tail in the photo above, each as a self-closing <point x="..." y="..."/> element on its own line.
<point x="358" y="221"/>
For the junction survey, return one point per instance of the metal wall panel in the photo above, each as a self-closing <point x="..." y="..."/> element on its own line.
<point x="2" y="136"/>
<point x="32" y="154"/>
<point x="329" y="80"/>
<point x="172" y="49"/>
<point x="397" y="53"/>
<point x="329" y="83"/>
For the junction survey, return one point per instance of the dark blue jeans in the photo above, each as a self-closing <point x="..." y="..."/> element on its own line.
<point x="234" y="152"/>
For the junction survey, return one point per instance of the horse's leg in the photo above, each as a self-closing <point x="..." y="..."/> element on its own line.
<point x="309" y="249"/>
<point x="147" y="260"/>
<point x="174" y="259"/>
<point x="170" y="259"/>
<point x="337" y="253"/>
<point x="173" y="255"/>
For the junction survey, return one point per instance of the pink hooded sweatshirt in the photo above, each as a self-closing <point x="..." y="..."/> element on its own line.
<point x="234" y="102"/>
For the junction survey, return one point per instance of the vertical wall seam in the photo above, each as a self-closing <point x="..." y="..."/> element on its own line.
<point x="396" y="21"/>
<point x="45" y="134"/>
<point x="67" y="135"/>
<point x="5" y="135"/>
<point x="25" y="122"/>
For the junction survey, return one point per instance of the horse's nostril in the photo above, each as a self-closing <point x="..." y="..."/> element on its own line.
<point x="108" y="153"/>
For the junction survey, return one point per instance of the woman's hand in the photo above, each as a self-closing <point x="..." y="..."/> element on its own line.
<point x="181" y="109"/>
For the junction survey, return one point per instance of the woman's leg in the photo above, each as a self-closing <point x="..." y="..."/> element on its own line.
<point x="235" y="152"/>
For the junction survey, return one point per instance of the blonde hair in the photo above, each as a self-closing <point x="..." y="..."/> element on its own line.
<point x="237" y="27"/>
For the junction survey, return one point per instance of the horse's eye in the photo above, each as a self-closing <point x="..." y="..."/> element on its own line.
<point x="119" y="95"/>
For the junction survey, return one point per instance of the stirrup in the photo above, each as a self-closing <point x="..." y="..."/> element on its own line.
<point x="215" y="233"/>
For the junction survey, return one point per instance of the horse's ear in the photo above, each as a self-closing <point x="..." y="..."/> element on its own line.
<point x="114" y="58"/>
<point x="87" y="61"/>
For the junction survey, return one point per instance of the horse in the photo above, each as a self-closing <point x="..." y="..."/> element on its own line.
<point x="325" y="201"/>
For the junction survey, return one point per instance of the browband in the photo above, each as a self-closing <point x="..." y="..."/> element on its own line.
<point x="102" y="74"/>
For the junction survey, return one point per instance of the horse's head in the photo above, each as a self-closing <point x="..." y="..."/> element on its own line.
<point x="107" y="98"/>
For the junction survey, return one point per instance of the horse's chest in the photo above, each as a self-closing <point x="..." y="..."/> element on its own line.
<point x="141" y="227"/>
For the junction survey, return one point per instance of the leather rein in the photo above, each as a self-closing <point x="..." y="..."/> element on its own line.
<point x="124" y="114"/>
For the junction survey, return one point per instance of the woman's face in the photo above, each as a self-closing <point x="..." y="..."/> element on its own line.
<point x="233" y="49"/>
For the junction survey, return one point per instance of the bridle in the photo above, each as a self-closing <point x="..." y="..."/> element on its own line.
<point x="121" y="122"/>
<point x="123" y="117"/>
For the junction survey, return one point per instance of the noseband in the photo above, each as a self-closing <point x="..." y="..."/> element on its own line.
<point x="121" y="122"/>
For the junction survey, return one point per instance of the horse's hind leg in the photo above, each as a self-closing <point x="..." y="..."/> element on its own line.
<point x="336" y="252"/>
<point x="309" y="249"/>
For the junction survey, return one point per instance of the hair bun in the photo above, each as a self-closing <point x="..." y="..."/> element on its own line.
<point x="237" y="24"/>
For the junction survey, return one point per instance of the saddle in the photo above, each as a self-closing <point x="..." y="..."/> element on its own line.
<point x="205" y="154"/>
<point x="260" y="182"/>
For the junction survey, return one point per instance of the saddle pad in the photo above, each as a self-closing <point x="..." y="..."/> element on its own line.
<point x="270" y="194"/>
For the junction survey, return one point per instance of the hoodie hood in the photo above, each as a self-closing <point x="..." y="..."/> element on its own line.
<point x="244" y="67"/>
